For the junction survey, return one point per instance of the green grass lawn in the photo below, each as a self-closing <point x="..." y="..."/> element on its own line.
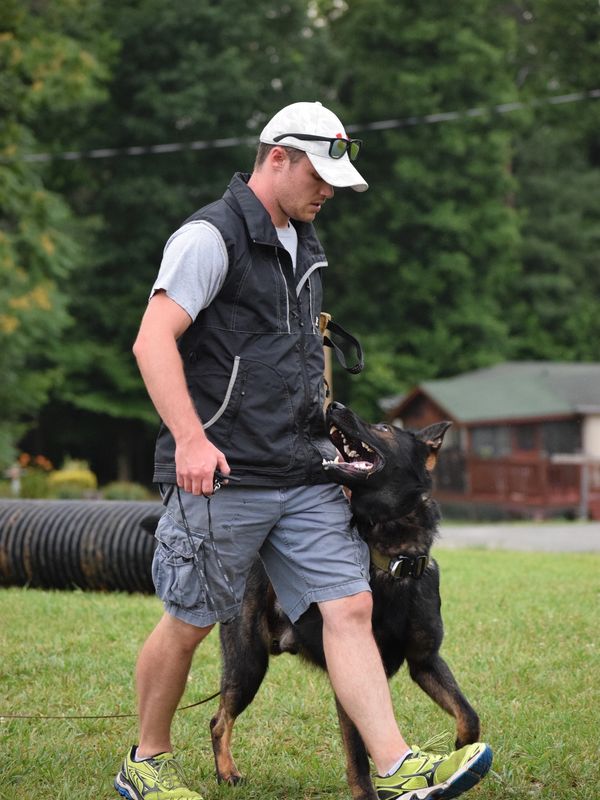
<point x="521" y="636"/>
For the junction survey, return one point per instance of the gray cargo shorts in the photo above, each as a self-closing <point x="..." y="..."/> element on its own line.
<point x="303" y="535"/>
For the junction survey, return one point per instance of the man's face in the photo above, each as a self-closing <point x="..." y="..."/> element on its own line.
<point x="301" y="191"/>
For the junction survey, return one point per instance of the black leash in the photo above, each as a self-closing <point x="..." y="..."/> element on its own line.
<point x="195" y="551"/>
<point x="100" y="716"/>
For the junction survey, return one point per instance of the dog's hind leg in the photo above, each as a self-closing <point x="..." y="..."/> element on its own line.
<point x="357" y="761"/>
<point x="434" y="676"/>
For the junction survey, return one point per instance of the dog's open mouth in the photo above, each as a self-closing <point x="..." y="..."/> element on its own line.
<point x="355" y="457"/>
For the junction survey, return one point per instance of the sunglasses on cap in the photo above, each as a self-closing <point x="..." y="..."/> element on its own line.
<point x="337" y="147"/>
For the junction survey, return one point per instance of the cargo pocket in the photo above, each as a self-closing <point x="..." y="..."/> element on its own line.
<point x="178" y="567"/>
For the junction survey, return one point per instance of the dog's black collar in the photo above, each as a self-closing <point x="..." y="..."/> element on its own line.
<point x="400" y="566"/>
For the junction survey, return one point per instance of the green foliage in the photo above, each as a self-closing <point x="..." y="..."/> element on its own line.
<point x="434" y="240"/>
<point x="476" y="242"/>
<point x="560" y="200"/>
<point x="189" y="71"/>
<point x="43" y="71"/>
<point x="29" y="476"/>
<point x="34" y="485"/>
<point x="72" y="481"/>
<point x="125" y="490"/>
<point x="557" y="165"/>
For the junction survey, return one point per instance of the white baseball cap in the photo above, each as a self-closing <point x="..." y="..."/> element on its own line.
<point x="313" y="119"/>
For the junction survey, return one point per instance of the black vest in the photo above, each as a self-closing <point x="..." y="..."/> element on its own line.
<point x="253" y="359"/>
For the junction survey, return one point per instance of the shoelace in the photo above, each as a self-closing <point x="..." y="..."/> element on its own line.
<point x="170" y="774"/>
<point x="439" y="744"/>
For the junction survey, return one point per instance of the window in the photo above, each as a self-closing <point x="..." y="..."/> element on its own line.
<point x="490" y="441"/>
<point x="525" y="437"/>
<point x="561" y="437"/>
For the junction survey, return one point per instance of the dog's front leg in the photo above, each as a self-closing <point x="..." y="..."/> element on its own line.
<point x="357" y="760"/>
<point x="221" y="729"/>
<point x="245" y="658"/>
<point x="435" y="677"/>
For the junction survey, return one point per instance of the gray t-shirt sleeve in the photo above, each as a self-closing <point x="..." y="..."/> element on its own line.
<point x="194" y="266"/>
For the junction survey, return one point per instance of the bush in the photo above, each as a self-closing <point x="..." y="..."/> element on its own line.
<point x="34" y="484"/>
<point x="125" y="490"/>
<point x="73" y="481"/>
<point x="32" y="474"/>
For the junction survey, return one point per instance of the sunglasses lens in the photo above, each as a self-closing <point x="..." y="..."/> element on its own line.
<point x="338" y="148"/>
<point x="354" y="149"/>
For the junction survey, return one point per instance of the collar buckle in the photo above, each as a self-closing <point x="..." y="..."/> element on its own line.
<point x="406" y="566"/>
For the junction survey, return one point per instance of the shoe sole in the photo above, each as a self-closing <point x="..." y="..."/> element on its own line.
<point x="459" y="784"/>
<point x="472" y="775"/>
<point x="124" y="791"/>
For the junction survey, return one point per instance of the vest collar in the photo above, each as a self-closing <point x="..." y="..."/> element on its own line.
<point x="258" y="221"/>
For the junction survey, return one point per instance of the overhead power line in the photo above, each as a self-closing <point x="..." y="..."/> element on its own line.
<point x="381" y="125"/>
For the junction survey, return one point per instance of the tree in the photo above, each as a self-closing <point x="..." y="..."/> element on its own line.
<point x="186" y="72"/>
<point x="424" y="264"/>
<point x="557" y="164"/>
<point x="43" y="70"/>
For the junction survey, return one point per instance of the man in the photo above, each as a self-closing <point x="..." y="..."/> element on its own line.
<point x="231" y="354"/>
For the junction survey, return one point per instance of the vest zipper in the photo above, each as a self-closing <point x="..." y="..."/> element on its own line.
<point x="287" y="297"/>
<point x="301" y="352"/>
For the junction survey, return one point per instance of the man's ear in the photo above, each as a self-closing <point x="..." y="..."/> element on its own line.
<point x="278" y="157"/>
<point x="433" y="436"/>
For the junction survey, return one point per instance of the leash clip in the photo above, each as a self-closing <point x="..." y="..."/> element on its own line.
<point x="219" y="478"/>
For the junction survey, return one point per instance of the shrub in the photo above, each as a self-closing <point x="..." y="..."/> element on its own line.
<point x="34" y="485"/>
<point x="125" y="490"/>
<point x="73" y="481"/>
<point x="32" y="475"/>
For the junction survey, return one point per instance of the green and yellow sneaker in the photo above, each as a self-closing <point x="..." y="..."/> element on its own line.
<point x="156" y="778"/>
<point x="430" y="775"/>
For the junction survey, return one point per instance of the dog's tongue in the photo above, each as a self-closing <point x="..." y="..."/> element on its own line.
<point x="340" y="458"/>
<point x="361" y="464"/>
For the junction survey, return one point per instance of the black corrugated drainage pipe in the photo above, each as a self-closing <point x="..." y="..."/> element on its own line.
<point x="86" y="544"/>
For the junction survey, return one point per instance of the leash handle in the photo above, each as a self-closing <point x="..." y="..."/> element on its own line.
<point x="334" y="327"/>
<point x="220" y="476"/>
<point x="218" y="479"/>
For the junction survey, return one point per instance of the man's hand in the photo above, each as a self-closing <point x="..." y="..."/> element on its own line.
<point x="196" y="460"/>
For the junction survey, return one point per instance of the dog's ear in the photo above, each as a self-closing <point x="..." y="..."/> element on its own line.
<point x="433" y="436"/>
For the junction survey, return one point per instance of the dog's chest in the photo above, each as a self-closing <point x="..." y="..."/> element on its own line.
<point x="391" y="602"/>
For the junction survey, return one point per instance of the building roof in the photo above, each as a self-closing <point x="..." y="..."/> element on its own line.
<point x="514" y="390"/>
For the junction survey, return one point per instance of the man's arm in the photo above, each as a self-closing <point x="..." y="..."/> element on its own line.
<point x="159" y="362"/>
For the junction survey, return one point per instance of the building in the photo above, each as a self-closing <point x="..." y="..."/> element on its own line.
<point x="525" y="439"/>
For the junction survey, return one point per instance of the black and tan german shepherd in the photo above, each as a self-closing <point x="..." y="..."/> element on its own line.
<point x="388" y="471"/>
